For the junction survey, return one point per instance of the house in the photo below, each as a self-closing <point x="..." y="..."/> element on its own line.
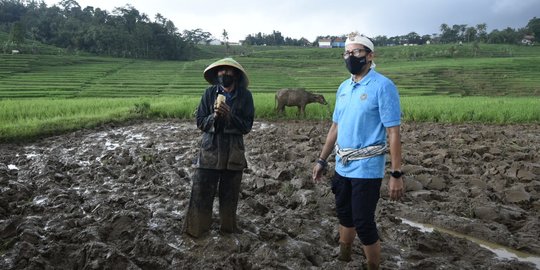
<point x="338" y="43"/>
<point x="214" y="42"/>
<point x="527" y="40"/>
<point x="325" y="43"/>
<point x="209" y="42"/>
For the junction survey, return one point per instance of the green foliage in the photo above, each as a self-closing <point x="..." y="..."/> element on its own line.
<point x="142" y="108"/>
<point x="497" y="110"/>
<point x="17" y="33"/>
<point x="124" y="33"/>
<point x="534" y="27"/>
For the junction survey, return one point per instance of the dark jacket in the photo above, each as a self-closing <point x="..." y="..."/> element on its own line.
<point x="222" y="144"/>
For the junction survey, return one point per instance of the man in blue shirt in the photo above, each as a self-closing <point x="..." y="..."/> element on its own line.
<point x="367" y="111"/>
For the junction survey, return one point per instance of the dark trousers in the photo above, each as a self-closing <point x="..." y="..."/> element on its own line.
<point x="356" y="202"/>
<point x="205" y="184"/>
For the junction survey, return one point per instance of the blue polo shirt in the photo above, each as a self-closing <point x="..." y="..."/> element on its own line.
<point x="362" y="113"/>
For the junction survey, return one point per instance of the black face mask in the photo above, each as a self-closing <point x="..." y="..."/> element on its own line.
<point x="226" y="80"/>
<point x="355" y="64"/>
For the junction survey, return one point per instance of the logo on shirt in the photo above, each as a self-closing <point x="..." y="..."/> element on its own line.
<point x="363" y="97"/>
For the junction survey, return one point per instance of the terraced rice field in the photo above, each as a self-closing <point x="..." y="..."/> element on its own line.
<point x="320" y="70"/>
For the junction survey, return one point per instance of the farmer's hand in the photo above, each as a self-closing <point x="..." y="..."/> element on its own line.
<point x="395" y="188"/>
<point x="222" y="111"/>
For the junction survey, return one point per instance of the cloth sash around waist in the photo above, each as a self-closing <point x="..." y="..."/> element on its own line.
<point x="348" y="154"/>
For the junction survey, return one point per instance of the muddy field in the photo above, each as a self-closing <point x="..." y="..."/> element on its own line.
<point x="115" y="198"/>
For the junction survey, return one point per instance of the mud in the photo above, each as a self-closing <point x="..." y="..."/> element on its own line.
<point x="115" y="198"/>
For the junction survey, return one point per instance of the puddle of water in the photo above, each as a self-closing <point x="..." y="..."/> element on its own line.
<point x="111" y="146"/>
<point x="40" y="200"/>
<point x="12" y="167"/>
<point x="499" y="250"/>
<point x="257" y="126"/>
<point x="31" y="155"/>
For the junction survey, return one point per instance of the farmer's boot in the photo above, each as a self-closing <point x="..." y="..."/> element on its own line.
<point x="229" y="190"/>
<point x="199" y="214"/>
<point x="345" y="252"/>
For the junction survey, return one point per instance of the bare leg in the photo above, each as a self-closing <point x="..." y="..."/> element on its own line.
<point x="373" y="255"/>
<point x="346" y="238"/>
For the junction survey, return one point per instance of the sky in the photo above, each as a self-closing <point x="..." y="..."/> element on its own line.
<point x="312" y="18"/>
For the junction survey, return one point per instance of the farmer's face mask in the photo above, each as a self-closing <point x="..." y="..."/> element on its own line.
<point x="226" y="80"/>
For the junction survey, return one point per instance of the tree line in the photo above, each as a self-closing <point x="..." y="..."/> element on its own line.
<point x="125" y="32"/>
<point x="461" y="33"/>
<point x="275" y="39"/>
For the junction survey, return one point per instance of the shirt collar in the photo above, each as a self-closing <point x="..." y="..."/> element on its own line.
<point x="365" y="80"/>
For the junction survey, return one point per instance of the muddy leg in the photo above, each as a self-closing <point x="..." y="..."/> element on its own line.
<point x="346" y="238"/>
<point x="229" y="190"/>
<point x="373" y="255"/>
<point x="281" y="110"/>
<point x="199" y="214"/>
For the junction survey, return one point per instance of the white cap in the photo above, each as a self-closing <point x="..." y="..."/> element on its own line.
<point x="355" y="38"/>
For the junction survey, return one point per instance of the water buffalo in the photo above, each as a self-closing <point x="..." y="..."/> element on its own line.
<point x="298" y="97"/>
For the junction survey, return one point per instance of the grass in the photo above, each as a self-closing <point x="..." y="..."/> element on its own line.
<point x="50" y="94"/>
<point x="26" y="119"/>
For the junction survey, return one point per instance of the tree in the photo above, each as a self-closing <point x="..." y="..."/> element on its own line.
<point x="68" y="5"/>
<point x="226" y="39"/>
<point x="446" y="34"/>
<point x="17" y="34"/>
<point x="413" y="38"/>
<point x="380" y="41"/>
<point x="506" y="36"/>
<point x="196" y="35"/>
<point x="470" y="34"/>
<point x="481" y="34"/>
<point x="533" y="27"/>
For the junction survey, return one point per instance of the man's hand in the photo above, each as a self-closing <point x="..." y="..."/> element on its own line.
<point x="317" y="172"/>
<point x="395" y="188"/>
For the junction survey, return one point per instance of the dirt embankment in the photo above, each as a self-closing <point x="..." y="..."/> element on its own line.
<point x="115" y="198"/>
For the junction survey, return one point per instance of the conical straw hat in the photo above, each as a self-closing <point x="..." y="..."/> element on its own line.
<point x="210" y="73"/>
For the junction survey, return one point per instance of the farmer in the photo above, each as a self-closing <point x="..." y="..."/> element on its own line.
<point x="221" y="156"/>
<point x="367" y="110"/>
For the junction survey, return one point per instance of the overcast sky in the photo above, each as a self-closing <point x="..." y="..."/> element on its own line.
<point x="312" y="18"/>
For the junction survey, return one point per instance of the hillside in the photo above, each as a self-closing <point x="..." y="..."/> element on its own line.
<point x="421" y="70"/>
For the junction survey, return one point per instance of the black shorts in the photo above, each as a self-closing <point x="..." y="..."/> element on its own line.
<point x="356" y="201"/>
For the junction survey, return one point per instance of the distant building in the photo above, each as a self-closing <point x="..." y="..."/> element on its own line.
<point x="210" y="42"/>
<point x="325" y="43"/>
<point x="527" y="40"/>
<point x="214" y="42"/>
<point x="338" y="43"/>
<point x="332" y="43"/>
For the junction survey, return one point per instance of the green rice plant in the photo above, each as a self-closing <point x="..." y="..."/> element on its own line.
<point x="23" y="119"/>
<point x="497" y="110"/>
